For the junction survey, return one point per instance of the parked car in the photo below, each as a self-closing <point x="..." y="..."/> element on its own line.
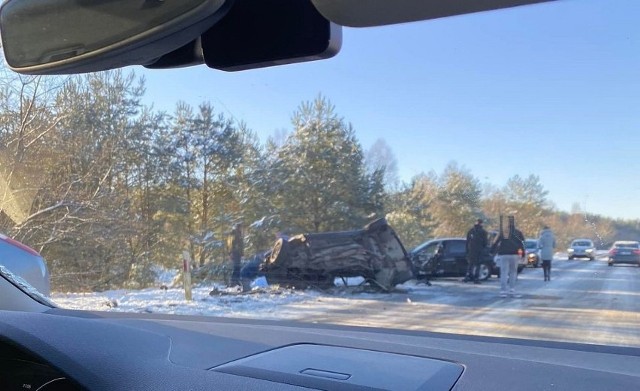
<point x="316" y="259"/>
<point x="25" y="262"/>
<point x="532" y="252"/>
<point x="624" y="252"/>
<point x="446" y="257"/>
<point x="582" y="248"/>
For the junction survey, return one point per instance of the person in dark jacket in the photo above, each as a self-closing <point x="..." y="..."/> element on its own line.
<point x="476" y="244"/>
<point x="509" y="248"/>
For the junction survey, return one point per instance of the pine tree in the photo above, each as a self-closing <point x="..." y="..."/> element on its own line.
<point x="319" y="178"/>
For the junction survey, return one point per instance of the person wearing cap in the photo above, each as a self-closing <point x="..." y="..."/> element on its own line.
<point x="547" y="243"/>
<point x="476" y="244"/>
<point x="509" y="248"/>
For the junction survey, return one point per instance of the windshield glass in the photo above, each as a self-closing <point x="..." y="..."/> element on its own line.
<point x="423" y="246"/>
<point x="582" y="244"/>
<point x="627" y="245"/>
<point x="194" y="191"/>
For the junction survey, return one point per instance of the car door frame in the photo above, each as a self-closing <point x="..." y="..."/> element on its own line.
<point x="458" y="263"/>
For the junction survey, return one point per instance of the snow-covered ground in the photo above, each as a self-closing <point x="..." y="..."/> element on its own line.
<point x="262" y="302"/>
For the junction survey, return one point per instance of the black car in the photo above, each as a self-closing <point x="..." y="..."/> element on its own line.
<point x="447" y="258"/>
<point x="625" y="252"/>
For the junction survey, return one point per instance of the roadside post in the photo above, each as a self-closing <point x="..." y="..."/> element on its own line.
<point x="186" y="274"/>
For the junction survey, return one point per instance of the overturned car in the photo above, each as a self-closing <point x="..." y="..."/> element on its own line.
<point x="315" y="260"/>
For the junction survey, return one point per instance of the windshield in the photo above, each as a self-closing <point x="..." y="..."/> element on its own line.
<point x="627" y="245"/>
<point x="194" y="191"/>
<point x="582" y="244"/>
<point x="423" y="246"/>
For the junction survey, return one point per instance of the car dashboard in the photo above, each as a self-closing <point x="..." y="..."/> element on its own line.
<point x="107" y="351"/>
<point x="22" y="370"/>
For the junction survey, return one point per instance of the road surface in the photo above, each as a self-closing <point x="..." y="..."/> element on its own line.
<point x="585" y="301"/>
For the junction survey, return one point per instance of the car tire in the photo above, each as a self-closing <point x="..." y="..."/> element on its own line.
<point x="520" y="269"/>
<point x="280" y="252"/>
<point x="611" y="264"/>
<point x="570" y="258"/>
<point x="485" y="272"/>
<point x="592" y="258"/>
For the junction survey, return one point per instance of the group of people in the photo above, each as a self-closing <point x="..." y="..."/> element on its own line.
<point x="508" y="248"/>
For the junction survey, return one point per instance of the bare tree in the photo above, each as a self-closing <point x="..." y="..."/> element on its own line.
<point x="380" y="157"/>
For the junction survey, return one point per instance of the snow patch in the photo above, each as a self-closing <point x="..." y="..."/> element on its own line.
<point x="264" y="303"/>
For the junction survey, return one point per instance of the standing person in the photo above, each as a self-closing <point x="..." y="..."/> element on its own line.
<point x="547" y="243"/>
<point x="236" y="247"/>
<point x="476" y="244"/>
<point x="509" y="248"/>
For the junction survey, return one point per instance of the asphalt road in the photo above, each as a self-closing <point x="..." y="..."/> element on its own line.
<point x="585" y="301"/>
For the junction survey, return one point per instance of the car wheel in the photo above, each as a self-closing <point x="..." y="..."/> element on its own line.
<point x="279" y="252"/>
<point x="570" y="258"/>
<point x="485" y="272"/>
<point x="611" y="264"/>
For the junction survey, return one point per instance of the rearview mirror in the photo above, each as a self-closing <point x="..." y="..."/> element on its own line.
<point x="255" y="34"/>
<point x="265" y="33"/>
<point x="72" y="36"/>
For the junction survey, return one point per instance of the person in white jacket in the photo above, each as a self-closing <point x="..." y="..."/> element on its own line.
<point x="547" y="243"/>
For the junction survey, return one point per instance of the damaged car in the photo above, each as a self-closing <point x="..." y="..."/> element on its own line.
<point x="317" y="259"/>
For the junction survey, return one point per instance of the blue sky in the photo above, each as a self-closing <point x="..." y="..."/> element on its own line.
<point x="550" y="89"/>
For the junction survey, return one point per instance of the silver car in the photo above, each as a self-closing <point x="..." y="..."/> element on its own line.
<point x="25" y="262"/>
<point x="582" y="248"/>
<point x="532" y="252"/>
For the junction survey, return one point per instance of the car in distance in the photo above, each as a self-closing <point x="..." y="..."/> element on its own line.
<point x="316" y="259"/>
<point x="447" y="257"/>
<point x="624" y="252"/>
<point x="25" y="262"/>
<point x="532" y="252"/>
<point x="582" y="248"/>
